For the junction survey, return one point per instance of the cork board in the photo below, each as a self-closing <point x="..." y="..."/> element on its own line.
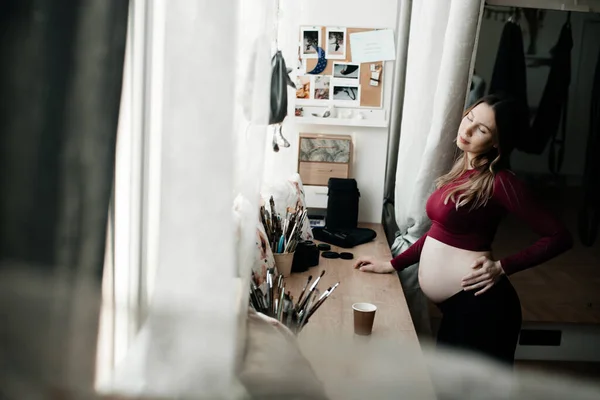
<point x="370" y="96"/>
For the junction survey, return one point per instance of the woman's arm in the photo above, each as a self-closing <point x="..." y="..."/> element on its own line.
<point x="409" y="256"/>
<point x="555" y="238"/>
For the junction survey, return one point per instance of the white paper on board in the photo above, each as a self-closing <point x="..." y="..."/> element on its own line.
<point x="373" y="46"/>
<point x="374" y="79"/>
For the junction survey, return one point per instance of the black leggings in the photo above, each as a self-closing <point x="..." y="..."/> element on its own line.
<point x="489" y="323"/>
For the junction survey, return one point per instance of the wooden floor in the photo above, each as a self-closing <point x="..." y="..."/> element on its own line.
<point x="564" y="290"/>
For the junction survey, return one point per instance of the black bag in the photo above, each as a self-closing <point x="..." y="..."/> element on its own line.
<point x="305" y="256"/>
<point x="342" y="204"/>
<point x="280" y="80"/>
<point x="345" y="238"/>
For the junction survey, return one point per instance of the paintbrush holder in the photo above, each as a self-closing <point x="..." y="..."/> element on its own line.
<point x="283" y="262"/>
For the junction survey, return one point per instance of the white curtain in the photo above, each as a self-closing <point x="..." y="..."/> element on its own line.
<point x="132" y="239"/>
<point x="255" y="21"/>
<point x="121" y="289"/>
<point x="211" y="68"/>
<point x="443" y="38"/>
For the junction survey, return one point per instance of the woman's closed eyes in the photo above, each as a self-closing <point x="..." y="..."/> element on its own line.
<point x="480" y="127"/>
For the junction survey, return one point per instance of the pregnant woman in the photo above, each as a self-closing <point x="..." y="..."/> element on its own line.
<point x="457" y="270"/>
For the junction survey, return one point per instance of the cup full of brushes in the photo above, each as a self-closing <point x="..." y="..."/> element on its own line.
<point x="275" y="302"/>
<point x="284" y="232"/>
<point x="283" y="262"/>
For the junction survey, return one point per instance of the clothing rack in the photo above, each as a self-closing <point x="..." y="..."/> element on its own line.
<point x="560" y="5"/>
<point x="589" y="213"/>
<point x="504" y="14"/>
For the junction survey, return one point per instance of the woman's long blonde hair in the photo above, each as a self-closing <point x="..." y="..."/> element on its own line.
<point x="478" y="189"/>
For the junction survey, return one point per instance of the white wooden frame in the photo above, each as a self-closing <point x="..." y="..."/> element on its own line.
<point x="561" y="5"/>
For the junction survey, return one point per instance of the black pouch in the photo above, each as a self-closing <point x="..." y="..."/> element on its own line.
<point x="280" y="80"/>
<point x="342" y="204"/>
<point x="345" y="238"/>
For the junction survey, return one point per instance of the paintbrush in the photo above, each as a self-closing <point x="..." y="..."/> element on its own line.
<point x="291" y="240"/>
<point x="258" y="294"/>
<point x="264" y="224"/>
<point x="281" y="304"/>
<point x="271" y="293"/>
<point x="254" y="301"/>
<point x="304" y="289"/>
<point x="273" y="215"/>
<point x="273" y="296"/>
<point x="261" y="300"/>
<point x="312" y="289"/>
<point x="255" y="296"/>
<point x="296" y="234"/>
<point x="268" y="289"/>
<point x="277" y="294"/>
<point x="321" y="300"/>
<point x="302" y="316"/>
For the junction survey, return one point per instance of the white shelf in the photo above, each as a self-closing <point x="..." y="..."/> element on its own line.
<point x="368" y="123"/>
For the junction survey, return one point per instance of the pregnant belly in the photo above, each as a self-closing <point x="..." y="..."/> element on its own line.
<point x="442" y="268"/>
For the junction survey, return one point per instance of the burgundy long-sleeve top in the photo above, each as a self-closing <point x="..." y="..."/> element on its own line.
<point x="475" y="229"/>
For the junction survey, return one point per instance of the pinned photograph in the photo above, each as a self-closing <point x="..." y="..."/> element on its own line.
<point x="346" y="93"/>
<point x="336" y="43"/>
<point x="311" y="41"/>
<point x="303" y="87"/>
<point x="343" y="70"/>
<point x="322" y="87"/>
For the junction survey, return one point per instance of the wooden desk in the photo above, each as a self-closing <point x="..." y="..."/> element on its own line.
<point x="387" y="363"/>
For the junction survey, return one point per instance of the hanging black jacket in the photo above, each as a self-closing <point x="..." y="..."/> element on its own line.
<point x="553" y="105"/>
<point x="510" y="75"/>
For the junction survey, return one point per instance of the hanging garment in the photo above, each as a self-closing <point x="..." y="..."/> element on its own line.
<point x="553" y="105"/>
<point x="477" y="90"/>
<point x="280" y="80"/>
<point x="589" y="215"/>
<point x="509" y="74"/>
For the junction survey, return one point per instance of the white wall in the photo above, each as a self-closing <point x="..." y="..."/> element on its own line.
<point x="585" y="44"/>
<point x="370" y="144"/>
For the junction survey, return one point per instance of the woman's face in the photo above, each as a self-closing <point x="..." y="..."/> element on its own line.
<point x="477" y="131"/>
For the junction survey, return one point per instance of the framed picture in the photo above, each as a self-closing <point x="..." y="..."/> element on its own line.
<point x="303" y="87"/>
<point x="322" y="87"/>
<point x="310" y="41"/>
<point x="336" y="41"/>
<point x="346" y="94"/>
<point x="346" y="71"/>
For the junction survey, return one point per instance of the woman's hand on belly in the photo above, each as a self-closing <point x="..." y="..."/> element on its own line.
<point x="370" y="264"/>
<point x="486" y="274"/>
